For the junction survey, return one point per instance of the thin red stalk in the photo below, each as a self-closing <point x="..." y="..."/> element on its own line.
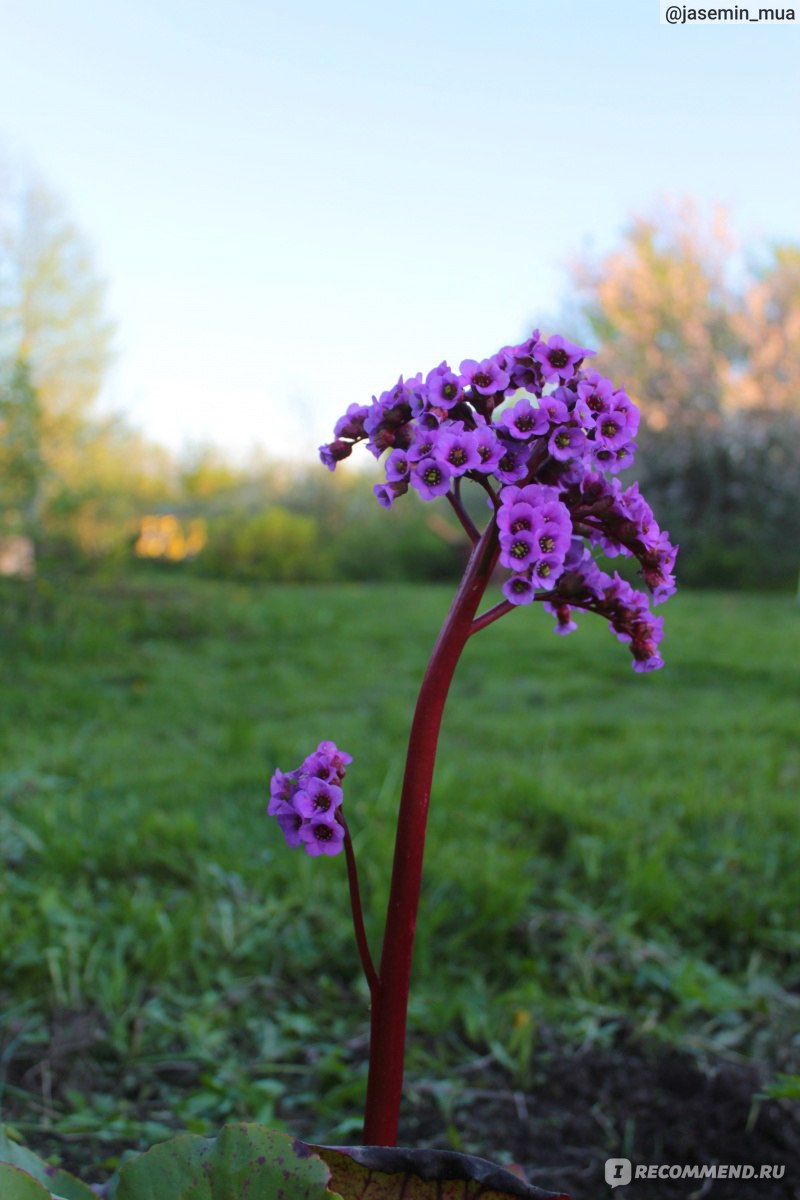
<point x="390" y="999"/>
<point x="491" y="614"/>
<point x="468" y="525"/>
<point x="358" y="916"/>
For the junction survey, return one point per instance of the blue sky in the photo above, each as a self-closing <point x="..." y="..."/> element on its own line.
<point x="294" y="203"/>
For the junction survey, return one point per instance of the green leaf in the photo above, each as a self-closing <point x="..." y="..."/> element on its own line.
<point x="245" y="1162"/>
<point x="54" y="1179"/>
<point x="393" y="1172"/>
<point x="16" y="1184"/>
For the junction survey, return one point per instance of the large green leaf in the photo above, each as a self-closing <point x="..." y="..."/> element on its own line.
<point x="396" y="1173"/>
<point x="53" y="1178"/>
<point x="249" y="1162"/>
<point x="245" y="1162"/>
<point x="16" y="1184"/>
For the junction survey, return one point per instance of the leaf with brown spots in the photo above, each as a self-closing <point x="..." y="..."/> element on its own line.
<point x="395" y="1173"/>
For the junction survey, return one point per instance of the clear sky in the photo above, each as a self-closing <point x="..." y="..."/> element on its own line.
<point x="293" y="203"/>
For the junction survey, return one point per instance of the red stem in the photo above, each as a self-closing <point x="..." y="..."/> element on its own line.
<point x="390" y="997"/>
<point x="491" y="614"/>
<point x="467" y="524"/>
<point x="358" y="916"/>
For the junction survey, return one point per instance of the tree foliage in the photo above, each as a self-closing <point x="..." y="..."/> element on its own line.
<point x="710" y="349"/>
<point x="67" y="477"/>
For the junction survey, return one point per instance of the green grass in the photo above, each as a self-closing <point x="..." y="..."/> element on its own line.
<point x="606" y="852"/>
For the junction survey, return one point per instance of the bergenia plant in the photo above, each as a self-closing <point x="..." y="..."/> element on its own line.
<point x="544" y="440"/>
<point x="541" y="440"/>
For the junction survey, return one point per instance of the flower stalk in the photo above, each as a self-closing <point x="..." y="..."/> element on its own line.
<point x="390" y="998"/>
<point x="545" y="440"/>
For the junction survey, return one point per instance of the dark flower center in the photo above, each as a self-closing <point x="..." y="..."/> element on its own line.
<point x="482" y="379"/>
<point x="595" y="402"/>
<point x="323" y="833"/>
<point x="457" y="456"/>
<point x="546" y="543"/>
<point x="608" y="428"/>
<point x="322" y="803"/>
<point x="432" y="476"/>
<point x="543" y="569"/>
<point x="520" y="524"/>
<point x="558" y="358"/>
<point x="519" y="549"/>
<point x="449" y="391"/>
<point x="562" y="440"/>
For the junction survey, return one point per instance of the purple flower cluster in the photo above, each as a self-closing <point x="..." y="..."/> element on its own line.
<point x="541" y="436"/>
<point x="306" y="802"/>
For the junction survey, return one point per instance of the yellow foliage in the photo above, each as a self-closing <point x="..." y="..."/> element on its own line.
<point x="165" y="537"/>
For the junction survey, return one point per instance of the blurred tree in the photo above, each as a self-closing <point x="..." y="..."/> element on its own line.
<point x="22" y="467"/>
<point x="715" y="368"/>
<point x="768" y="330"/>
<point x="204" y="472"/>
<point x="51" y="303"/>
<point x="69" y="477"/>
<point x="663" y="311"/>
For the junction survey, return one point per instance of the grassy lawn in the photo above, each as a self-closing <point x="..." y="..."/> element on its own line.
<point x="607" y="851"/>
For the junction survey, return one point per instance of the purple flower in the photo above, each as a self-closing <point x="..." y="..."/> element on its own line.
<point x="518" y="589"/>
<point x="512" y="464"/>
<point x="558" y="357"/>
<point x="623" y="403"/>
<point x="398" y="466"/>
<point x="303" y="800"/>
<point x="554" y="410"/>
<point x="554" y="512"/>
<point x="291" y="824"/>
<point x="488" y="447"/>
<point x="547" y="569"/>
<point x="486" y="377"/>
<point x="646" y="634"/>
<point x="523" y="420"/>
<point x="423" y="443"/>
<point x="536" y="494"/>
<point x="518" y="550"/>
<point x="317" y="766"/>
<point x="595" y="395"/>
<point x="552" y="538"/>
<point x="431" y="478"/>
<point x="317" y="797"/>
<point x="565" y="442"/>
<point x="387" y="493"/>
<point x="512" y="518"/>
<point x="612" y="429"/>
<point x="605" y="459"/>
<point x="444" y="387"/>
<point x="339" y="759"/>
<point x="351" y="425"/>
<point x="458" y="450"/>
<point x="554" y="456"/>
<point x="562" y="612"/>
<point x="282" y="788"/>
<point x="334" y="452"/>
<point x="322" y="836"/>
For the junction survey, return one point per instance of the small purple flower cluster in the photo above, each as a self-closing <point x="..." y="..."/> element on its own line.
<point x="306" y="802"/>
<point x="543" y="458"/>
